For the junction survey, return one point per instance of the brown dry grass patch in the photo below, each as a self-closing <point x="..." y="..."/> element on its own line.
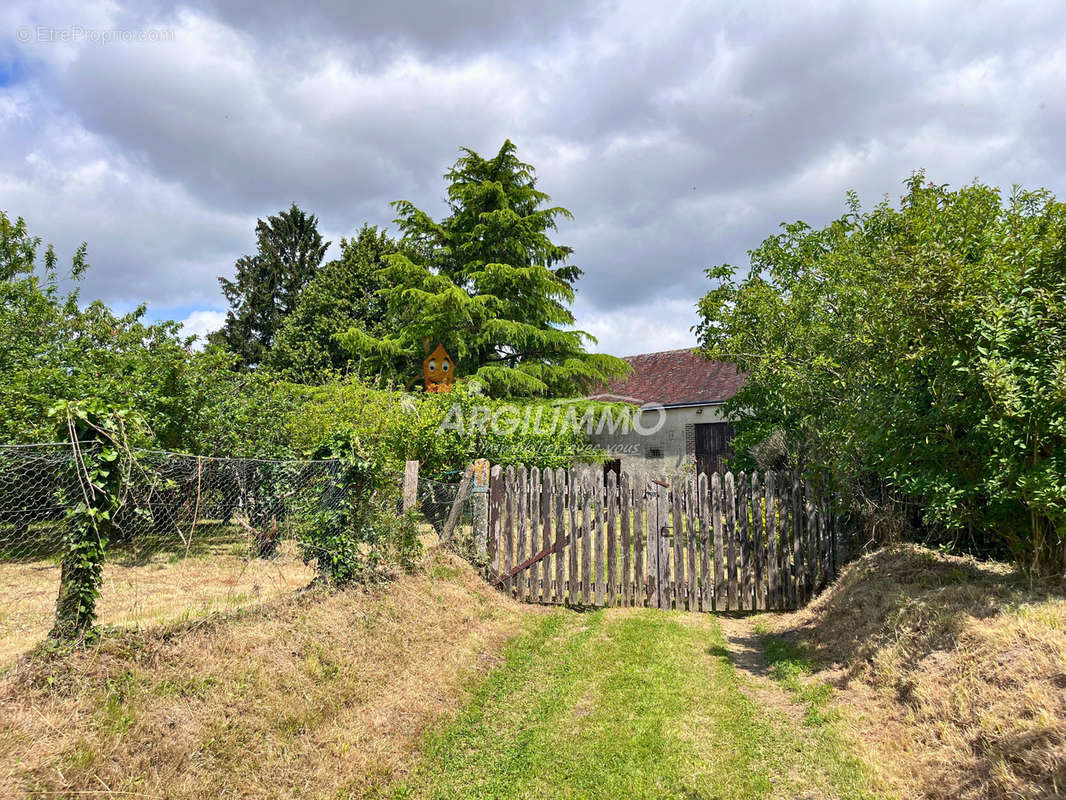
<point x="316" y="695"/>
<point x="954" y="671"/>
<point x="162" y="586"/>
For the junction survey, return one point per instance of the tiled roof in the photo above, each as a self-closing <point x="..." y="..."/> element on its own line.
<point x="674" y="377"/>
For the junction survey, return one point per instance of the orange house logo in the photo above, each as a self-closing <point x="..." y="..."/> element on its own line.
<point x="438" y="371"/>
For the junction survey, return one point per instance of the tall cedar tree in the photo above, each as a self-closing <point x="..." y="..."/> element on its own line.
<point x="343" y="295"/>
<point x="268" y="284"/>
<point x="487" y="282"/>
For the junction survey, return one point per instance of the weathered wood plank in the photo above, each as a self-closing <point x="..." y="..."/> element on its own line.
<point x="625" y="511"/>
<point x="547" y="489"/>
<point x="573" y="593"/>
<point x="744" y="540"/>
<point x="495" y="507"/>
<point x="823" y="539"/>
<point x="729" y="500"/>
<point x="640" y="577"/>
<point x="664" y="581"/>
<point x="521" y="540"/>
<point x="509" y="499"/>
<point x="772" y="578"/>
<point x="758" y="544"/>
<point x="720" y="592"/>
<point x="534" y="532"/>
<point x="692" y="582"/>
<point x="448" y="532"/>
<point x="677" y="538"/>
<point x="560" y="557"/>
<point x="410" y="485"/>
<point x="586" y="540"/>
<point x="811" y="538"/>
<point x="788" y="587"/>
<point x="797" y="543"/>
<point x="652" y="570"/>
<point x="611" y="499"/>
<point x="703" y="499"/>
<point x="597" y="539"/>
<point x="784" y="553"/>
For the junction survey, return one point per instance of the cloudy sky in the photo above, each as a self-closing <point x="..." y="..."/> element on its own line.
<point x="679" y="134"/>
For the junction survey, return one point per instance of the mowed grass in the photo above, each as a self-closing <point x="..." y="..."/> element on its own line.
<point x="624" y="703"/>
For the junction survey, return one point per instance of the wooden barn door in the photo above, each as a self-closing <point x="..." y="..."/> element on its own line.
<point x="713" y="446"/>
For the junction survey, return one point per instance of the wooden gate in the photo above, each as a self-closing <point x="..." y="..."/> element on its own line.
<point x="716" y="543"/>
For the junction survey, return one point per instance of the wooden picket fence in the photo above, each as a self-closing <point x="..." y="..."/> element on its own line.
<point x="712" y="543"/>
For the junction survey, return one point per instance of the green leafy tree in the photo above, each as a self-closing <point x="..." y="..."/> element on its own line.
<point x="53" y="349"/>
<point x="917" y="352"/>
<point x="488" y="282"/>
<point x="267" y="285"/>
<point x="343" y="295"/>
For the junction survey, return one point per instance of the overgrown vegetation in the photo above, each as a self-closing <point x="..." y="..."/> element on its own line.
<point x="318" y="694"/>
<point x="102" y="465"/>
<point x="917" y="353"/>
<point x="950" y="669"/>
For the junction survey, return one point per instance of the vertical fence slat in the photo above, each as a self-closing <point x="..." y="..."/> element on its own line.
<point x="495" y="504"/>
<point x="652" y="561"/>
<point x="811" y="538"/>
<point x="744" y="539"/>
<point x="692" y="579"/>
<point x="797" y="543"/>
<point x="823" y="538"/>
<point x="771" y="541"/>
<point x="507" y="562"/>
<point x="758" y="542"/>
<point x="597" y="539"/>
<point x="729" y="500"/>
<point x="586" y="537"/>
<point x="612" y="541"/>
<point x="706" y="587"/>
<point x="521" y="520"/>
<point x="677" y="539"/>
<point x="640" y="595"/>
<point x="720" y="603"/>
<point x="573" y="594"/>
<point x="625" y="509"/>
<point x="560" y="535"/>
<point x="547" y="484"/>
<point x="788" y="565"/>
<point x="666" y="583"/>
<point x="534" y="532"/>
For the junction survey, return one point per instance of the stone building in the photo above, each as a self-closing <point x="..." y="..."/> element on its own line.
<point x="692" y="433"/>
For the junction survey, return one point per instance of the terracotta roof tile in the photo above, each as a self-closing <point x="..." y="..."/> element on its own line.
<point x="675" y="377"/>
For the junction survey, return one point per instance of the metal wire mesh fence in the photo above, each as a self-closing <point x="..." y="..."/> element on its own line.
<point x="436" y="497"/>
<point x="194" y="535"/>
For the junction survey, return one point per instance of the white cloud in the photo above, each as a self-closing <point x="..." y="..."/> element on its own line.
<point x="201" y="323"/>
<point x="641" y="329"/>
<point x="679" y="139"/>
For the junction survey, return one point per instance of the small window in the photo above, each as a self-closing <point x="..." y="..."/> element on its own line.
<point x="654" y="452"/>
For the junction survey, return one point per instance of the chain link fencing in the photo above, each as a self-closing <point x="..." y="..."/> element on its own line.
<point x="194" y="535"/>
<point x="436" y="498"/>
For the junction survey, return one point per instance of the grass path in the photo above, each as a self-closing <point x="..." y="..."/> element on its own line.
<point x="628" y="704"/>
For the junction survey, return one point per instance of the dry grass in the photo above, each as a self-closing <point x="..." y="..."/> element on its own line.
<point x="314" y="695"/>
<point x="954" y="670"/>
<point x="164" y="586"/>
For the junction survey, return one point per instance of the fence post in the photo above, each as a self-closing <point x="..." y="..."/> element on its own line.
<point x="457" y="507"/>
<point x="481" y="508"/>
<point x="410" y="485"/>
